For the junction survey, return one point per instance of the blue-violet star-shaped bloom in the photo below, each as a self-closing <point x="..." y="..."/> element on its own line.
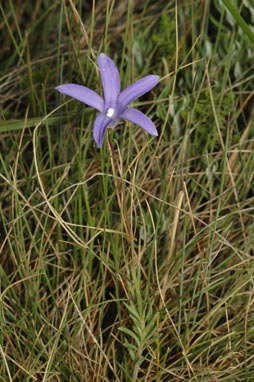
<point x="114" y="105"/>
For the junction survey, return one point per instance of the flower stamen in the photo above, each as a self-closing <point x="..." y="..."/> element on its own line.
<point x="110" y="112"/>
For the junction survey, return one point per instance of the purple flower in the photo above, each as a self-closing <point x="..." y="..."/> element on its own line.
<point x="114" y="105"/>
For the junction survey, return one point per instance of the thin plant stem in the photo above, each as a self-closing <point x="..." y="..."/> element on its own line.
<point x="125" y="215"/>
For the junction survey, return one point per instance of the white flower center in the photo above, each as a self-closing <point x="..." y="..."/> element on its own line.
<point x="110" y="112"/>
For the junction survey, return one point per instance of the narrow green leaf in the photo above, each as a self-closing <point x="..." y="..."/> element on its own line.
<point x="130" y="333"/>
<point x="7" y="126"/>
<point x="238" y="18"/>
<point x="132" y="309"/>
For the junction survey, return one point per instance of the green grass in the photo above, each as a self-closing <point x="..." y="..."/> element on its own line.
<point x="133" y="262"/>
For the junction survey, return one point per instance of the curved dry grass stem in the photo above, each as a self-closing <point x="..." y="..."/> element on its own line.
<point x="83" y="29"/>
<point x="6" y="364"/>
<point x="172" y="243"/>
<point x="59" y="219"/>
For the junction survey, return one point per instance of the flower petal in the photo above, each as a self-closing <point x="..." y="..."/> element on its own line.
<point x="83" y="94"/>
<point x="100" y="124"/>
<point x="140" y="119"/>
<point x="110" y="80"/>
<point x="136" y="90"/>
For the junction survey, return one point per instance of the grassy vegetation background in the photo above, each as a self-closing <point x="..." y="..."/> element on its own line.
<point x="134" y="264"/>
